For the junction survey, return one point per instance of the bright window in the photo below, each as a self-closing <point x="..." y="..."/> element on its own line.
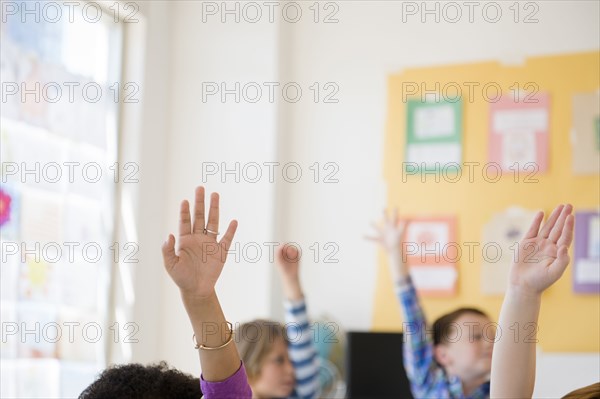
<point x="60" y="76"/>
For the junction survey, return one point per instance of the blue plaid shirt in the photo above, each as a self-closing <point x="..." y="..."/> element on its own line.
<point x="427" y="378"/>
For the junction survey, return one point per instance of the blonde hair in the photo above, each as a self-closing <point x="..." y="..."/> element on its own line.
<point x="589" y="392"/>
<point x="254" y="341"/>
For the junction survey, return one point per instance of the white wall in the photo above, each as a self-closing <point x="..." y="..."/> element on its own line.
<point x="218" y="132"/>
<point x="370" y="42"/>
<point x="560" y="373"/>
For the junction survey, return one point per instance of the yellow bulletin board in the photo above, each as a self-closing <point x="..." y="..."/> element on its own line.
<point x="569" y="322"/>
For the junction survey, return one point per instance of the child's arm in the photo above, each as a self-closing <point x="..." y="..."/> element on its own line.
<point x="418" y="347"/>
<point x="302" y="351"/>
<point x="541" y="260"/>
<point x="195" y="268"/>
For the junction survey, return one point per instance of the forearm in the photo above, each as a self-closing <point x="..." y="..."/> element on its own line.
<point x="405" y="291"/>
<point x="418" y="346"/>
<point x="513" y="360"/>
<point x="211" y="329"/>
<point x="398" y="266"/>
<point x="292" y="289"/>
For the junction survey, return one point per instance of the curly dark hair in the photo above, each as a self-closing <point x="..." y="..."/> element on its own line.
<point x="135" y="381"/>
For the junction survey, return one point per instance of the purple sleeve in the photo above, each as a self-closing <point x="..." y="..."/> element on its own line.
<point x="234" y="387"/>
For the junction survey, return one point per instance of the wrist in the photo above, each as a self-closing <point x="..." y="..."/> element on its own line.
<point x="518" y="293"/>
<point x="394" y="249"/>
<point x="293" y="293"/>
<point x="398" y="266"/>
<point x="395" y="254"/>
<point x="194" y="299"/>
<point x="290" y="281"/>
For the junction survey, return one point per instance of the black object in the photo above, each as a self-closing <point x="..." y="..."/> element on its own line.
<point x="374" y="366"/>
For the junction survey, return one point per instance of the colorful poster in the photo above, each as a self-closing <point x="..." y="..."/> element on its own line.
<point x="431" y="254"/>
<point x="433" y="134"/>
<point x="585" y="133"/>
<point x="586" y="262"/>
<point x="500" y="237"/>
<point x="519" y="132"/>
<point x="10" y="210"/>
<point x="37" y="279"/>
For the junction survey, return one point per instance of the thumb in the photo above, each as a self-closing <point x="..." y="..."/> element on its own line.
<point x="558" y="267"/>
<point x="168" y="252"/>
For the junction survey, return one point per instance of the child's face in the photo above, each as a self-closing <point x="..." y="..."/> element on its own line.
<point x="276" y="378"/>
<point x="468" y="355"/>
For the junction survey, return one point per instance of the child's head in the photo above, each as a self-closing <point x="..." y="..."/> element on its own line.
<point x="463" y="342"/>
<point x="138" y="381"/>
<point x="263" y="347"/>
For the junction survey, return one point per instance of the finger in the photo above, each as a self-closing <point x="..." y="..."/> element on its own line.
<point x="395" y="216"/>
<point x="168" y="252"/>
<point x="228" y="237"/>
<point x="547" y="227"/>
<point x="558" y="267"/>
<point x="199" y="222"/>
<point x="556" y="231"/>
<point x="185" y="223"/>
<point x="402" y="226"/>
<point x="213" y="213"/>
<point x="566" y="237"/>
<point x="535" y="226"/>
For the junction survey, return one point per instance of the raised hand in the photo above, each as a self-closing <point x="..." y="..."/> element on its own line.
<point x="389" y="234"/>
<point x="542" y="254"/>
<point x="199" y="260"/>
<point x="288" y="266"/>
<point x="540" y="261"/>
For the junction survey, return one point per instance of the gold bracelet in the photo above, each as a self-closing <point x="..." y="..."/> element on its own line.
<point x="202" y="346"/>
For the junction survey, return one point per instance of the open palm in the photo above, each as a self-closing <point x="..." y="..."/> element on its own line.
<point x="198" y="263"/>
<point x="542" y="255"/>
<point x="390" y="233"/>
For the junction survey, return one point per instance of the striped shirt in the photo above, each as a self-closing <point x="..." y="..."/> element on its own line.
<point x="302" y="351"/>
<point x="427" y="378"/>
